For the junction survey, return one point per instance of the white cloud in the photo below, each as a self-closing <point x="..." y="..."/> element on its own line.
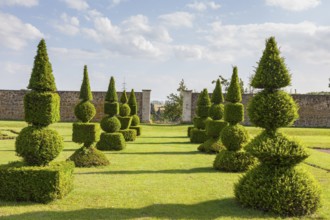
<point x="15" y="34"/>
<point x="294" y="5"/>
<point x="25" y="3"/>
<point x="79" y="5"/>
<point x="114" y="3"/>
<point x="188" y="52"/>
<point x="203" y="6"/>
<point x="69" y="25"/>
<point x="15" y="68"/>
<point x="177" y="19"/>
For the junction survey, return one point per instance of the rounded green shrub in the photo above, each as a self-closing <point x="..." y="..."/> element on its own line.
<point x="200" y="123"/>
<point x="198" y="136"/>
<point x="214" y="127"/>
<point x="125" y="122"/>
<point x="275" y="149"/>
<point x="234" y="113"/>
<point x="216" y="111"/>
<point x="85" y="111"/>
<point x="89" y="157"/>
<point x="110" y="124"/>
<point x="271" y="110"/>
<point x="111" y="141"/>
<point x="283" y="191"/>
<point x="233" y="161"/>
<point x="211" y="146"/>
<point x="129" y="134"/>
<point x="124" y="110"/>
<point x="234" y="137"/>
<point x="135" y="120"/>
<point x="38" y="145"/>
<point x="138" y="130"/>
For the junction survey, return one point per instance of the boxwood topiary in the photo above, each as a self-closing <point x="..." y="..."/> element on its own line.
<point x="129" y="134"/>
<point x="85" y="111"/>
<point x="111" y="141"/>
<point x="85" y="132"/>
<point x="211" y="146"/>
<point x="88" y="157"/>
<point x="124" y="110"/>
<point x="234" y="113"/>
<point x="215" y="127"/>
<point x="132" y="103"/>
<point x="135" y="120"/>
<point x="216" y="111"/>
<point x="125" y="122"/>
<point x="111" y="108"/>
<point x="234" y="137"/>
<point x="198" y="136"/>
<point x="110" y="124"/>
<point x="233" y="161"/>
<point x="137" y="128"/>
<point x="200" y="123"/>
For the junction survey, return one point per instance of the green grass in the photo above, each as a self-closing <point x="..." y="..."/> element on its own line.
<point x="160" y="176"/>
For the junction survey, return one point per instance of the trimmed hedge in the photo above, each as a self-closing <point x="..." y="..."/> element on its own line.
<point x="85" y="111"/>
<point x="203" y="111"/>
<point x="125" y="122"/>
<point x="211" y="146"/>
<point x="124" y="110"/>
<point x="281" y="190"/>
<point x="216" y="111"/>
<point x="38" y="145"/>
<point x="234" y="113"/>
<point x="234" y="137"/>
<point x="89" y="157"/>
<point x="85" y="132"/>
<point x="189" y="130"/>
<point x="37" y="184"/>
<point x="234" y="93"/>
<point x="111" y="108"/>
<point x="234" y="161"/>
<point x="198" y="136"/>
<point x="111" y="141"/>
<point x="111" y="95"/>
<point x="138" y="130"/>
<point x="214" y="128"/>
<point x="42" y="108"/>
<point x="110" y="124"/>
<point x="129" y="134"/>
<point x="200" y="123"/>
<point x="135" y="120"/>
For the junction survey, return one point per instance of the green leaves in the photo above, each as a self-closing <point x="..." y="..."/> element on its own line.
<point x="234" y="93"/>
<point x="111" y="95"/>
<point x="85" y="89"/>
<point x="217" y="96"/>
<point x="123" y="98"/>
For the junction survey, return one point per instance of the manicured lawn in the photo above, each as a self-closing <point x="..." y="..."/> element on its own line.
<point x="160" y="176"/>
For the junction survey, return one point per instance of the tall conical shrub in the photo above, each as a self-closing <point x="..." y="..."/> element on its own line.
<point x="111" y="139"/>
<point x="234" y="137"/>
<point x="198" y="133"/>
<point x="41" y="180"/>
<point x="125" y="118"/>
<point x="134" y="113"/>
<point x="216" y="125"/>
<point x="86" y="132"/>
<point x="276" y="185"/>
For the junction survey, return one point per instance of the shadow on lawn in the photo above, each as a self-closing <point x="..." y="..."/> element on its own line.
<point x="160" y="143"/>
<point x="164" y="137"/>
<point x="160" y="153"/>
<point x="205" y="210"/>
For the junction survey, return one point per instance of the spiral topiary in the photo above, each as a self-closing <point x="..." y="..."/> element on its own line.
<point x="198" y="134"/>
<point x="214" y="125"/>
<point x="234" y="136"/>
<point x="134" y="111"/>
<point x="86" y="132"/>
<point x="111" y="139"/>
<point x="276" y="185"/>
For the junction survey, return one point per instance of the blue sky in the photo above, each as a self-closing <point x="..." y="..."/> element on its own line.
<point x="153" y="44"/>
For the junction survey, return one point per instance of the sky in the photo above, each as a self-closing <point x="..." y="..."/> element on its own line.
<point x="153" y="44"/>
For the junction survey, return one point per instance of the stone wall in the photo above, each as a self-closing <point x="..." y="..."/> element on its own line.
<point x="314" y="110"/>
<point x="12" y="107"/>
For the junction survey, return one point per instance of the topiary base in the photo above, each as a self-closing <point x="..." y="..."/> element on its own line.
<point x="234" y="161"/>
<point x="38" y="184"/>
<point x="211" y="146"/>
<point x="111" y="141"/>
<point x="129" y="134"/>
<point x="138" y="129"/>
<point x="198" y="136"/>
<point x="287" y="191"/>
<point x="189" y="130"/>
<point x="89" y="157"/>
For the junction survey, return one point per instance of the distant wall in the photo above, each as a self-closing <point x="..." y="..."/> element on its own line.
<point x="12" y="107"/>
<point x="314" y="110"/>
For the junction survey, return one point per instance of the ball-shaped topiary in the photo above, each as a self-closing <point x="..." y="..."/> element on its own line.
<point x="110" y="124"/>
<point x="124" y="110"/>
<point x="233" y="161"/>
<point x="85" y="111"/>
<point x="135" y="120"/>
<point x="200" y="123"/>
<point x="272" y="110"/>
<point x="216" y="111"/>
<point x="89" y="157"/>
<point x="38" y="145"/>
<point x="234" y="137"/>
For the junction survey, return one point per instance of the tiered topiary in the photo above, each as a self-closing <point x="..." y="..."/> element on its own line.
<point x="198" y="133"/>
<point x="86" y="132"/>
<point x="40" y="180"/>
<point x="111" y="139"/>
<point x="234" y="136"/>
<point x="276" y="185"/>
<point x="216" y="125"/>
<point x="134" y="110"/>
<point x="125" y="119"/>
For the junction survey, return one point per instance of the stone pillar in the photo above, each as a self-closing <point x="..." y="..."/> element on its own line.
<point x="187" y="102"/>
<point x="145" y="106"/>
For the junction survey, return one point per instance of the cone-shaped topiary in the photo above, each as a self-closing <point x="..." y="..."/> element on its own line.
<point x="85" y="132"/>
<point x="42" y="78"/>
<point x="132" y="102"/>
<point x="216" y="125"/>
<point x="134" y="111"/>
<point x="198" y="134"/>
<point x="125" y="118"/>
<point x="111" y="139"/>
<point x="276" y="185"/>
<point x="234" y="136"/>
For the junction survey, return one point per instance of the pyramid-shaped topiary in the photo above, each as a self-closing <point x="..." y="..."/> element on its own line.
<point x="134" y="111"/>
<point x="276" y="185"/>
<point x="86" y="132"/>
<point x="216" y="125"/>
<point x="125" y="118"/>
<point x="111" y="139"/>
<point x="38" y="144"/>
<point x="234" y="136"/>
<point x="198" y="133"/>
